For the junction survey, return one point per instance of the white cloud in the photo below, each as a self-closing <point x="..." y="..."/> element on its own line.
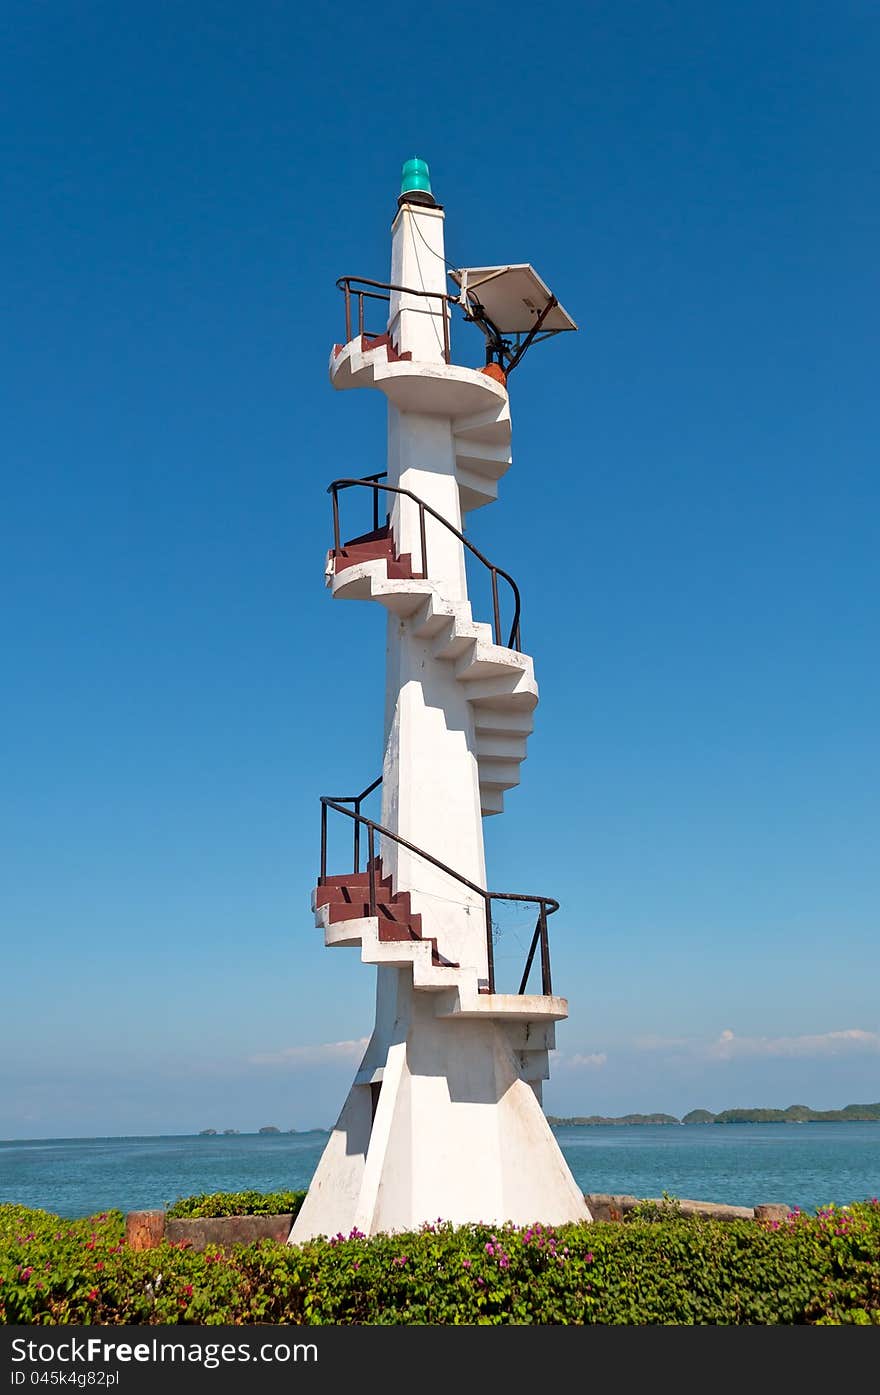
<point x="728" y="1046"/>
<point x="322" y="1054"/>
<point x="852" y="1041"/>
<point x="594" y="1061"/>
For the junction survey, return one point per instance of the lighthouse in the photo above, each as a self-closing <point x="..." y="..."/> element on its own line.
<point x="444" y="1117"/>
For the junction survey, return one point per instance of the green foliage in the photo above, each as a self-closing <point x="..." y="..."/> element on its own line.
<point x="822" y="1269"/>
<point x="794" y="1114"/>
<point x="238" y="1204"/>
<point x="800" y="1114"/>
<point x="651" y="1209"/>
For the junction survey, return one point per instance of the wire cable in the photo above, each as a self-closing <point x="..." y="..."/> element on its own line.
<point x="451" y="265"/>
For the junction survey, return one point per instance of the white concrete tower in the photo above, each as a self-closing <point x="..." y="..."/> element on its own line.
<point x="444" y="1117"/>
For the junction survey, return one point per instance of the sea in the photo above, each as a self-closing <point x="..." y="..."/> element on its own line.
<point x="806" y="1165"/>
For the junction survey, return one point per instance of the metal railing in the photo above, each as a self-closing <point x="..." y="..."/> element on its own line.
<point x="351" y="287"/>
<point x="514" y="639"/>
<point x="546" y="904"/>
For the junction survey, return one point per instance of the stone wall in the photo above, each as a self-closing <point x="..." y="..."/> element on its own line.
<point x="607" y="1206"/>
<point x="145" y="1229"/>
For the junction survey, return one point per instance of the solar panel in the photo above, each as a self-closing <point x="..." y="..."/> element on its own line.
<point x="512" y="298"/>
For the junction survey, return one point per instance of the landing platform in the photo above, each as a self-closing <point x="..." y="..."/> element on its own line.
<point x="433" y="388"/>
<point x="507" y="1007"/>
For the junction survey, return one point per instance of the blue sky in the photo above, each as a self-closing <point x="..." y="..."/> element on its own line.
<point x="691" y="516"/>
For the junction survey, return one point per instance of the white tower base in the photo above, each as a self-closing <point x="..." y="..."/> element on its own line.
<point x="446" y="1129"/>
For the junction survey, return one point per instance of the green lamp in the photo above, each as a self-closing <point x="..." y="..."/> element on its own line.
<point x="415" y="184"/>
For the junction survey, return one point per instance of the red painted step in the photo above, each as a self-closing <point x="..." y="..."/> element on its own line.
<point x="351" y="559"/>
<point x="357" y="910"/>
<point x="401" y="568"/>
<point x="359" y="879"/>
<point x="377" y="341"/>
<point x="377" y="546"/>
<point x="382" y="534"/>
<point x="346" y="897"/>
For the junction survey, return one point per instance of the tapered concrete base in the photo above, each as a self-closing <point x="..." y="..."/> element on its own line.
<point x="450" y="1130"/>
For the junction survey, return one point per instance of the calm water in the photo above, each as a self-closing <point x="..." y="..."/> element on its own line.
<point x="805" y="1165"/>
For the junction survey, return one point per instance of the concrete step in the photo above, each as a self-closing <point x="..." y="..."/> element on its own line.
<point x="342" y="900"/>
<point x="516" y="688"/>
<point x="345" y="927"/>
<point x="435" y="616"/>
<point x="528" y="1018"/>
<point x="489" y="661"/>
<point x="498" y="774"/>
<point x="455" y="640"/>
<point x="496" y="721"/>
<point x="501" y="746"/>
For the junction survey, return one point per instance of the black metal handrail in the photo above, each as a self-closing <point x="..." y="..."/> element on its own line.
<point x="514" y="640"/>
<point x="357" y="800"/>
<point x="343" y="484"/>
<point x="547" y="905"/>
<point x="349" y="285"/>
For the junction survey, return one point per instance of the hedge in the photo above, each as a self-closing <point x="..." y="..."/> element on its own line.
<point x="238" y="1204"/>
<point x="809" y="1269"/>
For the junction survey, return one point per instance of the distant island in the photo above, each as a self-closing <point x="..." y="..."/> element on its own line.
<point x="267" y="1128"/>
<point x="623" y="1119"/>
<point x="794" y="1114"/>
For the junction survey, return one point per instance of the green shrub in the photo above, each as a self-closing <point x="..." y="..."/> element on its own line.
<point x="809" y="1269"/>
<point x="238" y="1204"/>
<point x="663" y="1209"/>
